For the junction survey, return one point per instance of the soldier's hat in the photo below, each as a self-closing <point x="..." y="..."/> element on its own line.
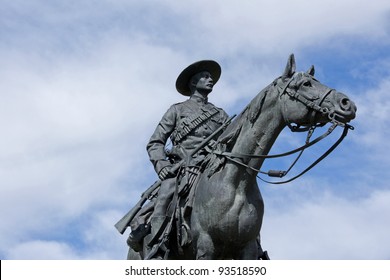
<point x="197" y="67"/>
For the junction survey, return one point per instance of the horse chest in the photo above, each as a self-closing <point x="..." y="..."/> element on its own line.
<point x="232" y="211"/>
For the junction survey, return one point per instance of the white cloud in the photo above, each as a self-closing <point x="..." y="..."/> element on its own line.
<point x="274" y="27"/>
<point x="97" y="239"/>
<point x="374" y="114"/>
<point x="44" y="250"/>
<point x="329" y="227"/>
<point x="75" y="137"/>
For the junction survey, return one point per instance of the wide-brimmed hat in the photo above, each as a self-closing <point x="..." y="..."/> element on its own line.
<point x="204" y="65"/>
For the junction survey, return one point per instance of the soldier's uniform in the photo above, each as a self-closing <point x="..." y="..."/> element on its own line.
<point x="180" y="123"/>
<point x="187" y="124"/>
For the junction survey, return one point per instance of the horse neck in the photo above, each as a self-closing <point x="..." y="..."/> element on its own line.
<point x="264" y="122"/>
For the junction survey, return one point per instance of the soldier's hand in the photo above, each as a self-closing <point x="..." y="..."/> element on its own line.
<point x="165" y="173"/>
<point x="212" y="144"/>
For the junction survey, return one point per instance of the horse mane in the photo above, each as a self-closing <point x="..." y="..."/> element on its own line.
<point x="227" y="139"/>
<point x="250" y="113"/>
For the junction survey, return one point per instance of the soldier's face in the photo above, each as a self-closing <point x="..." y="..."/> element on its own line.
<point x="204" y="82"/>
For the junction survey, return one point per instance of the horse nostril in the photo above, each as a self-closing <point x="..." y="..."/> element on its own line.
<point x="345" y="104"/>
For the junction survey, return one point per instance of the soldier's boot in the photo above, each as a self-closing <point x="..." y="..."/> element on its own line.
<point x="155" y="249"/>
<point x="136" y="237"/>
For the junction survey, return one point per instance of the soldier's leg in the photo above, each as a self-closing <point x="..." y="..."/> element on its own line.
<point x="165" y="194"/>
<point x="157" y="220"/>
<point x="159" y="217"/>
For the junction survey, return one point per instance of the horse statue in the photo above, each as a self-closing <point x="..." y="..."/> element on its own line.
<point x="227" y="210"/>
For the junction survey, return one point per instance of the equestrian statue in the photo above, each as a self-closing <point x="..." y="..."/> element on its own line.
<point x="207" y="204"/>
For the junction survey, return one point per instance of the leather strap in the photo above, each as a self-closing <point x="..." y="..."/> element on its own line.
<point x="189" y="124"/>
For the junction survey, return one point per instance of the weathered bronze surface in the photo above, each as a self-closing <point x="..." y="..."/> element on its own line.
<point x="206" y="203"/>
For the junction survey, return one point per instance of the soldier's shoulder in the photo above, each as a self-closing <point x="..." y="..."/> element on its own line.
<point x="219" y="108"/>
<point x="180" y="104"/>
<point x="176" y="106"/>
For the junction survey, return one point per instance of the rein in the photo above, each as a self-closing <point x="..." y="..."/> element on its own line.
<point x="296" y="128"/>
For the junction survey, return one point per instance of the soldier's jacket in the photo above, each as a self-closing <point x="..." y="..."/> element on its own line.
<point x="184" y="125"/>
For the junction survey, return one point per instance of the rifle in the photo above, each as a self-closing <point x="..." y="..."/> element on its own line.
<point x="124" y="222"/>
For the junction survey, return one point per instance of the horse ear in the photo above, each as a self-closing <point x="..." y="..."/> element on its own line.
<point x="311" y="71"/>
<point x="290" y="67"/>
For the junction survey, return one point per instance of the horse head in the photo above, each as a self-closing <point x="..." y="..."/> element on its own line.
<point x="307" y="102"/>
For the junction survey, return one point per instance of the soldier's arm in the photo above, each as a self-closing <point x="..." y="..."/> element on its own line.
<point x="158" y="140"/>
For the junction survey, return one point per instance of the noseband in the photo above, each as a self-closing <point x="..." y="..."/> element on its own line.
<point x="316" y="109"/>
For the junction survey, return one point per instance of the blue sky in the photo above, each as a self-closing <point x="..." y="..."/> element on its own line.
<point x="83" y="84"/>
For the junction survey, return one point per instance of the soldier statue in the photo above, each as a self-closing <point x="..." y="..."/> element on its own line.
<point x="201" y="207"/>
<point x="187" y="125"/>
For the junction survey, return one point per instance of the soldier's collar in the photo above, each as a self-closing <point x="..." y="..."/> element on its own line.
<point x="199" y="98"/>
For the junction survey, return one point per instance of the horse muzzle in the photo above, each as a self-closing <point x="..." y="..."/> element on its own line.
<point x="343" y="109"/>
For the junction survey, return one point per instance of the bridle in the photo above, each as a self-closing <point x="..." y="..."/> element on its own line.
<point x="316" y="109"/>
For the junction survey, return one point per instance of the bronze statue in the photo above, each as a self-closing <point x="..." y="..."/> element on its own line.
<point x="187" y="124"/>
<point x="207" y="204"/>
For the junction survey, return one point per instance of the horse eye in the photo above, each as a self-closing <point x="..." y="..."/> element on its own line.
<point x="307" y="84"/>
